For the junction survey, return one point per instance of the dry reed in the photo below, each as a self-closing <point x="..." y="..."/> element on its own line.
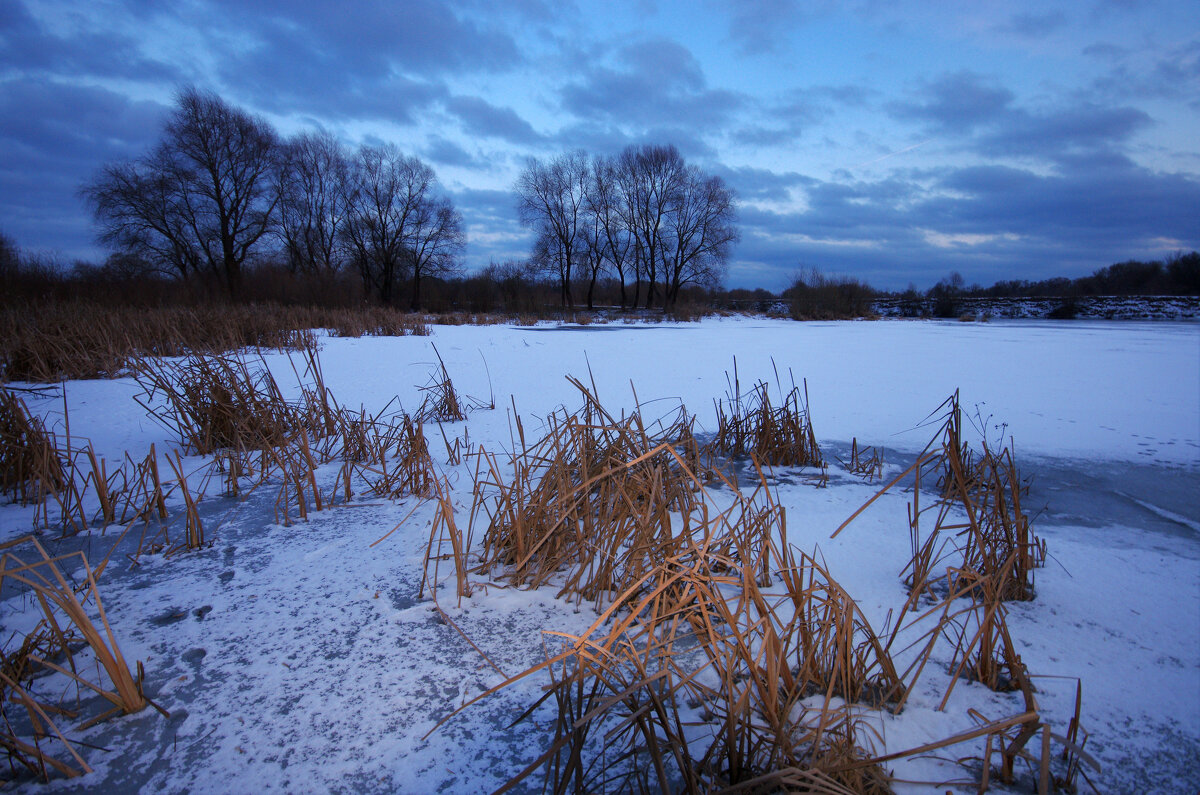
<point x="31" y="468"/>
<point x="722" y="659"/>
<point x="72" y="618"/>
<point x="48" y="342"/>
<point x="749" y="424"/>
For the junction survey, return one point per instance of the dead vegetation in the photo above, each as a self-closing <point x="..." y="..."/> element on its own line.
<point x="442" y="403"/>
<point x="722" y="658"/>
<point x="30" y="467"/>
<point x="48" y="342"/>
<point x="749" y="425"/>
<point x="65" y="636"/>
<point x="229" y="409"/>
<point x="866" y="462"/>
<point x="223" y="407"/>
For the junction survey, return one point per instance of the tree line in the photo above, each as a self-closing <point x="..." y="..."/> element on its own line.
<point x="1178" y="274"/>
<point x="221" y="191"/>
<point x="644" y="218"/>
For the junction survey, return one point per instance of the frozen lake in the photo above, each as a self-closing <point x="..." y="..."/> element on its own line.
<point x="299" y="658"/>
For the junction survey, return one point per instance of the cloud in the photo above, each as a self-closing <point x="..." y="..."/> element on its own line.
<point x="974" y="113"/>
<point x="480" y="117"/>
<point x="652" y="83"/>
<point x="957" y="103"/>
<point x="30" y="48"/>
<point x="1034" y="25"/>
<point x="376" y="60"/>
<point x="373" y="59"/>
<point x="1170" y="73"/>
<point x="990" y="222"/>
<point x="760" y="184"/>
<point x="607" y="139"/>
<point x="762" y="26"/>
<point x="55" y="137"/>
<point x="371" y="37"/>
<point x="786" y="118"/>
<point x="1053" y="133"/>
<point x="445" y="152"/>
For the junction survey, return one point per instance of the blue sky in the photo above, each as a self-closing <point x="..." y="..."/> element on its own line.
<point x="890" y="141"/>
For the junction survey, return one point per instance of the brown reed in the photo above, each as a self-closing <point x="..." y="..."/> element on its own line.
<point x="73" y="618"/>
<point x="749" y="424"/>
<point x="51" y="341"/>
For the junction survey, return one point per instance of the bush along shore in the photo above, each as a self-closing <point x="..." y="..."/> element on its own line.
<point x="1094" y="307"/>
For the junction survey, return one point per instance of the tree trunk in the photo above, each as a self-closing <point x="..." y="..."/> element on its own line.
<point x="416" y="289"/>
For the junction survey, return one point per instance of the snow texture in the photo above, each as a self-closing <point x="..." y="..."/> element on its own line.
<point x="301" y="659"/>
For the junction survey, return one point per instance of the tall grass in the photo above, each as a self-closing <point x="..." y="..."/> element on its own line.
<point x="72" y="620"/>
<point x="47" y="342"/>
<point x="723" y="659"/>
<point x="749" y="424"/>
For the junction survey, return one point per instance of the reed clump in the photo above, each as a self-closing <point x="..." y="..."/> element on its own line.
<point x="722" y="658"/>
<point x="51" y="341"/>
<point x="442" y="402"/>
<point x="749" y="424"/>
<point x="995" y="538"/>
<point x="865" y="461"/>
<point x="598" y="497"/>
<point x="714" y="637"/>
<point x="69" y="651"/>
<point x="696" y="678"/>
<point x="217" y="402"/>
<point x="226" y="408"/>
<point x="397" y="461"/>
<point x="31" y="468"/>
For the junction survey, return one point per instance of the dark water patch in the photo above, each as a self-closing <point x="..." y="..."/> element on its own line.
<point x="170" y="616"/>
<point x="1109" y="497"/>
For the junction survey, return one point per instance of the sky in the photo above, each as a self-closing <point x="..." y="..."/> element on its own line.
<point x="886" y="140"/>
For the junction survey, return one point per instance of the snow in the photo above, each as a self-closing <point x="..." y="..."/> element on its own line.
<point x="316" y="667"/>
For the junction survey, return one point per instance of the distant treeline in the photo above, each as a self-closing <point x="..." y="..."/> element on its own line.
<point x="521" y="287"/>
<point x="1177" y="275"/>
<point x="515" y="287"/>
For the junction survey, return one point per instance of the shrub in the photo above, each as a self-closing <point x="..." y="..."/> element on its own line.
<point x="815" y="296"/>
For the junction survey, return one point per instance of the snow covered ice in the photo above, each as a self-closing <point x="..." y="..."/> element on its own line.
<point x="301" y="659"/>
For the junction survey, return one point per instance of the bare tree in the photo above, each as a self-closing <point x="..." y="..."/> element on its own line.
<point x="651" y="177"/>
<point x="550" y="198"/>
<point x="202" y="199"/>
<point x="607" y="205"/>
<point x="645" y="214"/>
<point x="313" y="204"/>
<point x="437" y="240"/>
<point x="591" y="252"/>
<point x="399" y="226"/>
<point x="140" y="211"/>
<point x="701" y="232"/>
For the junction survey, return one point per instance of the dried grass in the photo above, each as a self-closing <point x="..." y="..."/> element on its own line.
<point x="31" y="468"/>
<point x="722" y="659"/>
<point x="866" y="462"/>
<point x="442" y="403"/>
<point x="218" y="402"/>
<point x="48" y="342"/>
<point x="72" y="619"/>
<point x="749" y="425"/>
<point x="596" y="497"/>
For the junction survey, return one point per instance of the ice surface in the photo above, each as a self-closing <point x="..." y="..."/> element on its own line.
<point x="300" y="658"/>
